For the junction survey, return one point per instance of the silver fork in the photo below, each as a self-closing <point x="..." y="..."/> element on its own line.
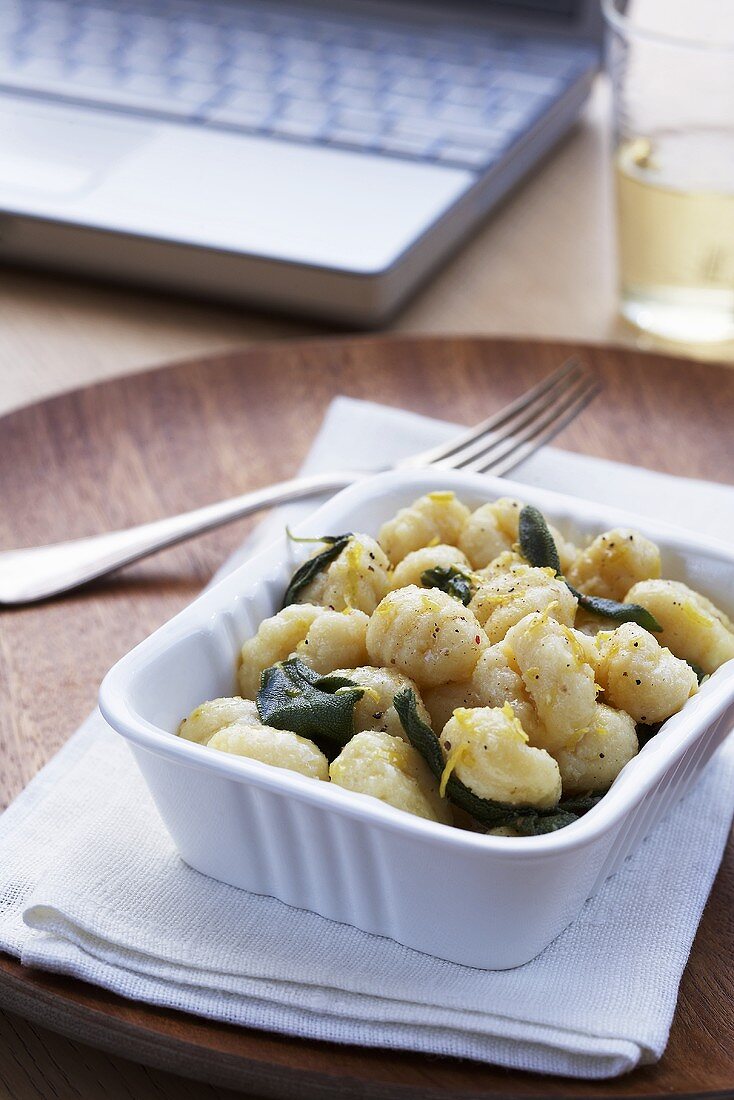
<point x="496" y="445"/>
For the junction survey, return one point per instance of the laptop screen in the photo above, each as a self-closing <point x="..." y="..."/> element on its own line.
<point x="565" y="8"/>
<point x="556" y="9"/>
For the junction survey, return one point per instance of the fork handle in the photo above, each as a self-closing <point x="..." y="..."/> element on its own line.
<point x="41" y="571"/>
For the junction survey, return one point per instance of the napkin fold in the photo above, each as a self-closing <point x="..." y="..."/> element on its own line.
<point x="91" y="885"/>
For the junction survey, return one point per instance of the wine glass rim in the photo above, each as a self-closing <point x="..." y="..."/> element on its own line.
<point x="627" y="27"/>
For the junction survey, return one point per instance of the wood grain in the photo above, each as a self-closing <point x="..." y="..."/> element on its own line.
<point x="138" y="448"/>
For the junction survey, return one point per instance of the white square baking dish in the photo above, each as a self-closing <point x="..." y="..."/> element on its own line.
<point x="352" y="858"/>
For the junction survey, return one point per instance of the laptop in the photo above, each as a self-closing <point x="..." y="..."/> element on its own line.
<point x="307" y="156"/>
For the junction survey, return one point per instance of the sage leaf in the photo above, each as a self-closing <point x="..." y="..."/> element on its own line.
<point x="620" y="612"/>
<point x="582" y="803"/>
<point x="540" y="822"/>
<point x="646" y="732"/>
<point x="313" y="566"/>
<point x="536" y="542"/>
<point x="538" y="547"/>
<point x="700" y="674"/>
<point x="418" y="732"/>
<point x="450" y="580"/>
<point x="294" y="697"/>
<point x="526" y="820"/>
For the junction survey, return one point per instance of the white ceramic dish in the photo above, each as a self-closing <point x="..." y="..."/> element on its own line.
<point x="485" y="901"/>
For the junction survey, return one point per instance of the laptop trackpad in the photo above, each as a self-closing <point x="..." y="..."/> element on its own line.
<point x="49" y="150"/>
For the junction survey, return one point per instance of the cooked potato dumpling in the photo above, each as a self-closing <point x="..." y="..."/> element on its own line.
<point x="322" y="638"/>
<point x="640" y="676"/>
<point x="387" y="768"/>
<point x="613" y="562"/>
<point x="490" y="530"/>
<point x="597" y="758"/>
<point x="493" y="530"/>
<point x="496" y="682"/>
<point x="275" y="640"/>
<point x="503" y="600"/>
<point x="413" y="566"/>
<point x="279" y="748"/>
<point x="375" y="710"/>
<point x="693" y="627"/>
<point x="487" y="749"/>
<point x="336" y="638"/>
<point x="357" y="578"/>
<point x="206" y="719"/>
<point x="553" y="662"/>
<point x="426" y="634"/>
<point x="435" y="518"/>
<point x="442" y="701"/>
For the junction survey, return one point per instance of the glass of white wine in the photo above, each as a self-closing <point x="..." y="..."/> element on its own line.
<point x="672" y="68"/>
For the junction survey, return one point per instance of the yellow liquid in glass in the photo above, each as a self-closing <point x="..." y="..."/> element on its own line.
<point x="675" y="196"/>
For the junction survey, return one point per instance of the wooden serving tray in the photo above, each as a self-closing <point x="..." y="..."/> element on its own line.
<point x="151" y="444"/>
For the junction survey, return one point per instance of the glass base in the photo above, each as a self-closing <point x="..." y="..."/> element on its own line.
<point x="690" y="317"/>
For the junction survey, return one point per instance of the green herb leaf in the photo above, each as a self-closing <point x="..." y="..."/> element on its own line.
<point x="536" y="542"/>
<point x="646" y="732"/>
<point x="420" y="735"/>
<point x="527" y="820"/>
<point x="540" y="822"/>
<point x="538" y="547"/>
<point x="620" y="612"/>
<point x="451" y="580"/>
<point x="700" y="674"/>
<point x="582" y="803"/>
<point x="422" y="738"/>
<point x="313" y="566"/>
<point x="294" y="697"/>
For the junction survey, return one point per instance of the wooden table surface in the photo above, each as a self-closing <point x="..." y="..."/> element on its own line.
<point x="155" y="443"/>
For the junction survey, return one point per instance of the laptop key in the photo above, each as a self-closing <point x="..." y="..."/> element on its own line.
<point x="468" y="156"/>
<point x="306" y="129"/>
<point x="417" y="145"/>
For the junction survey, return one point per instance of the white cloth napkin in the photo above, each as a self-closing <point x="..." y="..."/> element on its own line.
<point x="91" y="885"/>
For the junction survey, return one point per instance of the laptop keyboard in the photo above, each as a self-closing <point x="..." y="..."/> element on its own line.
<point x="427" y="91"/>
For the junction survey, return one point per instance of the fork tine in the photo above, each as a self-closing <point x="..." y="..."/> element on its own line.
<point x="572" y="366"/>
<point x="494" y="449"/>
<point x="541" y="408"/>
<point x="522" y="449"/>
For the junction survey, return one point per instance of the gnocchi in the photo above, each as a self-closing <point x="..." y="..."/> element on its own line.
<point x="693" y="628"/>
<point x="501" y="673"/>
<point x="426" y="634"/>
<point x="488" y="750"/>
<point x="553" y="662"/>
<point x="387" y="768"/>
<point x="411" y="569"/>
<point x="324" y="639"/>
<point x="492" y="530"/>
<point x="279" y="748"/>
<point x="358" y="578"/>
<point x="502" y="600"/>
<point x="376" y="710"/>
<point x="595" y="760"/>
<point x="207" y="719"/>
<point x="435" y="518"/>
<point x="613" y="562"/>
<point x="640" y="676"/>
